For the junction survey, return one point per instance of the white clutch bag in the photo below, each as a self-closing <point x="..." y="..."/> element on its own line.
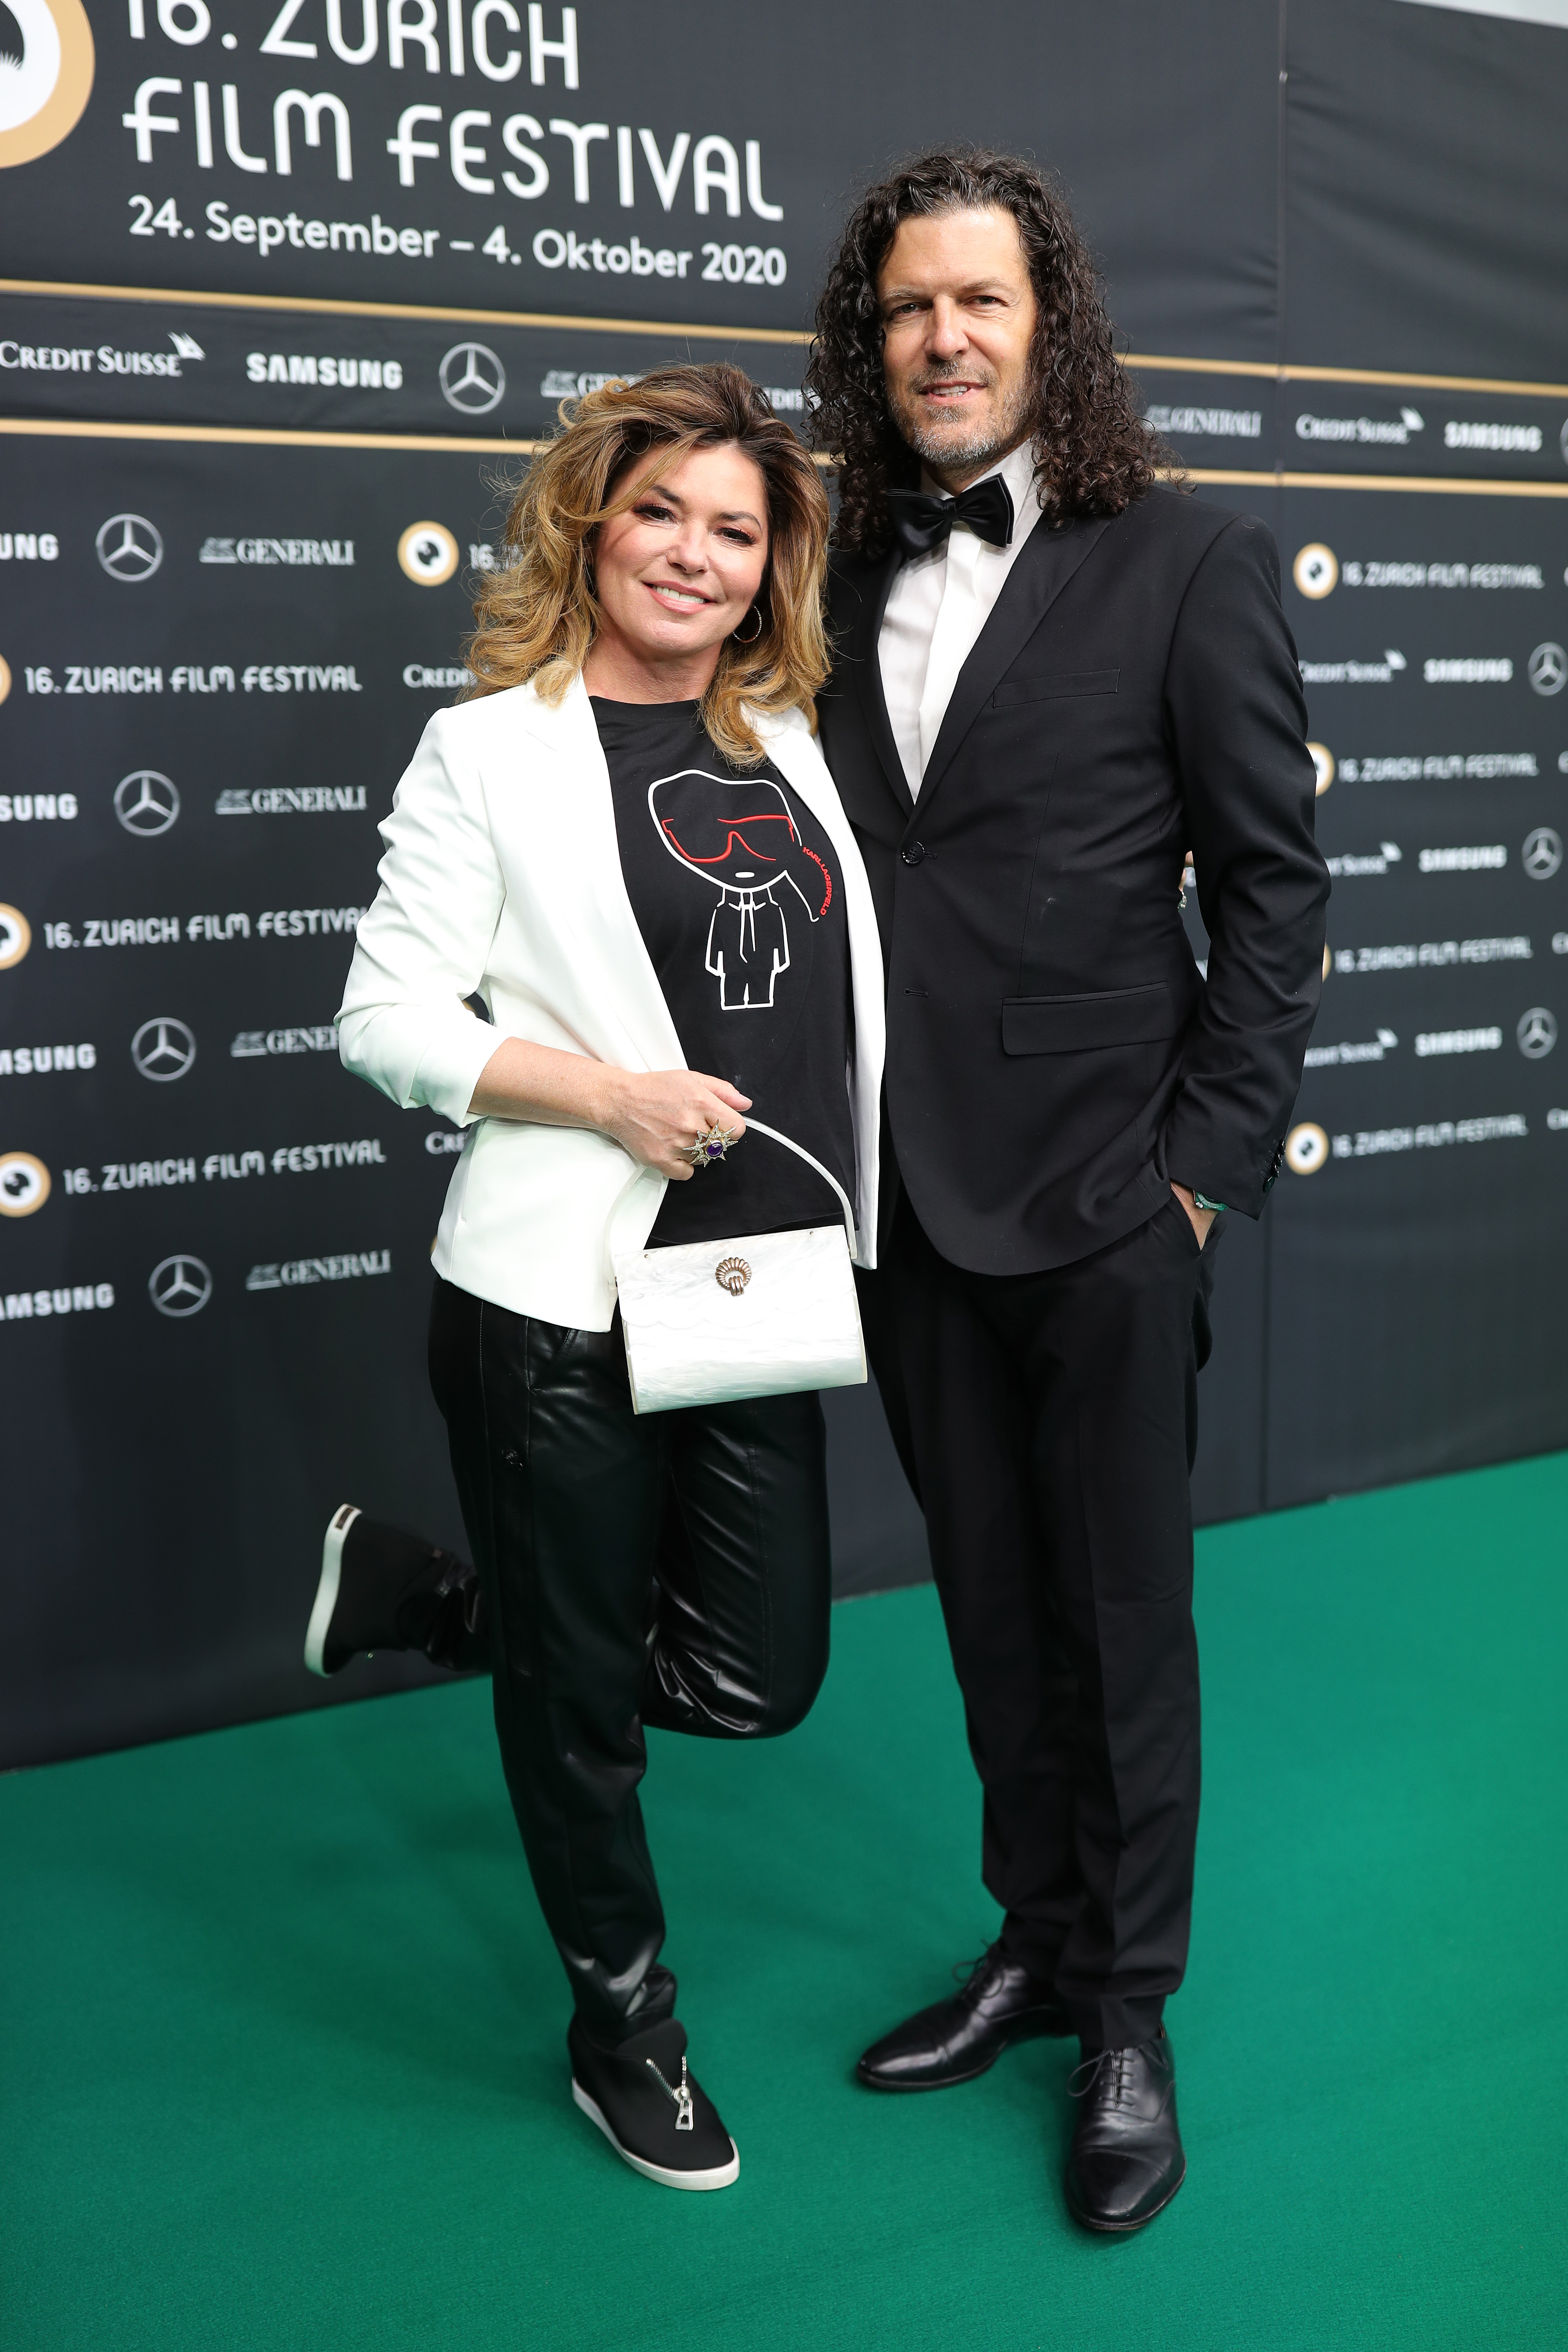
<point x="756" y="1315"/>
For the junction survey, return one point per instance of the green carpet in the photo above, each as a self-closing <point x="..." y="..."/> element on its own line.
<point x="282" y="2065"/>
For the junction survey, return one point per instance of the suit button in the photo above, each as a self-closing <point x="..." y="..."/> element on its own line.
<point x="913" y="854"/>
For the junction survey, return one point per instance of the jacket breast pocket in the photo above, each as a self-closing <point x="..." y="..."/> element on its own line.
<point x="1054" y="686"/>
<point x="1080" y="1024"/>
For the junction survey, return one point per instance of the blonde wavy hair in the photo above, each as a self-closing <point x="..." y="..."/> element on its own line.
<point x="538" y="617"/>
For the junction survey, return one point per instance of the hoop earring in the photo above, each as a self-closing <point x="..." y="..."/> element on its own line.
<point x="756" y="633"/>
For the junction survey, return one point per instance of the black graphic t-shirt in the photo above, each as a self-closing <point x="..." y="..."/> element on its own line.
<point x="737" y="893"/>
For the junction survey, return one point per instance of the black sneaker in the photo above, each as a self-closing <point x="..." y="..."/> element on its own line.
<point x="650" y="2108"/>
<point x="382" y="1589"/>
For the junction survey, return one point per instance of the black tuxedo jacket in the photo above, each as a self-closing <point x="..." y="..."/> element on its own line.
<point x="1055" y="1058"/>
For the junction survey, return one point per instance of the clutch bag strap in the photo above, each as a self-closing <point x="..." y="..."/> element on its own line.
<point x="755" y="1127"/>
<point x="622" y="1215"/>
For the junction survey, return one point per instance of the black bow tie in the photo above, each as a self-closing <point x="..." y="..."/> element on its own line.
<point x="922" y="522"/>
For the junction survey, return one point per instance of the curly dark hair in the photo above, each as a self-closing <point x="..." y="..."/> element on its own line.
<point x="1093" y="453"/>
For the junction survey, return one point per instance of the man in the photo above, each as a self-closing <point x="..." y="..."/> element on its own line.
<point x="1053" y="680"/>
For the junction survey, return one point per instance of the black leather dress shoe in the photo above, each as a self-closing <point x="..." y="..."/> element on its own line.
<point x="959" y="2038"/>
<point x="1127" y="2161"/>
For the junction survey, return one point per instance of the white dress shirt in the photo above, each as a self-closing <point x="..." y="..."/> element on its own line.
<point x="939" y="603"/>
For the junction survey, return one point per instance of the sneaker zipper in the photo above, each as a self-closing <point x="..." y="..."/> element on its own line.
<point x="679" y="2094"/>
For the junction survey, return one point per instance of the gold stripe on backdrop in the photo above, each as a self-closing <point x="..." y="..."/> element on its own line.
<point x="1462" y="489"/>
<point x="409" y="311"/>
<point x="1294" y="373"/>
<point x="85" y="428"/>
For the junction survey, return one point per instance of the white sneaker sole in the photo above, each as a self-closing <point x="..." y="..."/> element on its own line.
<point x="718" y="2175"/>
<point x="326" y="1601"/>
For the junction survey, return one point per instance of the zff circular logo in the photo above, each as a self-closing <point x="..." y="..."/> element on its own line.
<point x="1316" y="570"/>
<point x="44" y="91"/>
<point x="15" y="935"/>
<point x="1306" y="1148"/>
<point x="24" y="1184"/>
<point x="429" y="553"/>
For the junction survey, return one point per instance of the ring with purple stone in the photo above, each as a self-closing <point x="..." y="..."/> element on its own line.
<point x="711" y="1146"/>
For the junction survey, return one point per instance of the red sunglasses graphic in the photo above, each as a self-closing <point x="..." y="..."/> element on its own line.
<point x="739" y="837"/>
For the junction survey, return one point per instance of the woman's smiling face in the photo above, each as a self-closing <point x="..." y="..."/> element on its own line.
<point x="677" y="573"/>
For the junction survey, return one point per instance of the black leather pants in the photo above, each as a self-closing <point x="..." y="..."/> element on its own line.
<point x="671" y="1569"/>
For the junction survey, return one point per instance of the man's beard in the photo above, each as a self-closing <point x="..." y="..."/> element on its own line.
<point x="965" y="444"/>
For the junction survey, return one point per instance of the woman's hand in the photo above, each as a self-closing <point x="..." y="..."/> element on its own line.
<point x="658" y="1114"/>
<point x="655" y="1115"/>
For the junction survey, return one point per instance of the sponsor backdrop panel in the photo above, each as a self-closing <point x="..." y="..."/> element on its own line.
<point x="568" y="166"/>
<point x="1308" y="421"/>
<point x="1426" y="182"/>
<point x="168" y="362"/>
<point x="214" y="659"/>
<point x="1416" y="1281"/>
<point x="1421" y="431"/>
<point x="214" y="1243"/>
<point x="574" y="161"/>
<point x="1417" y="1295"/>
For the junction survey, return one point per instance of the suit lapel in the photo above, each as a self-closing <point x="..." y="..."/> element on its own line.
<point x="1046" y="563"/>
<point x="874" y="589"/>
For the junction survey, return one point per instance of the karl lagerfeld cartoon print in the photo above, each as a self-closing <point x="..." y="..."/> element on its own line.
<point x="741" y="839"/>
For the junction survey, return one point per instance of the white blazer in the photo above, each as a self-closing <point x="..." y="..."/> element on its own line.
<point x="502" y="873"/>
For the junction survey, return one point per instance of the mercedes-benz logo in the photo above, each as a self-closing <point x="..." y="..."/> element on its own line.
<point x="1549" y="668"/>
<point x="129" y="547"/>
<point x="1542" y="854"/>
<point x="1536" y="1033"/>
<point x="164" y="1049"/>
<point x="179" y="1285"/>
<point x="472" y="379"/>
<point x="146" y="802"/>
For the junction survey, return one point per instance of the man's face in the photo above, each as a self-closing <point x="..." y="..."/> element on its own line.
<point x="958" y="314"/>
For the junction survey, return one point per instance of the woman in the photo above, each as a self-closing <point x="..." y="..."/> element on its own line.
<point x="626" y="843"/>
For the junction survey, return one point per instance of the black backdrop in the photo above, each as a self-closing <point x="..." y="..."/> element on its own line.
<point x="246" y="474"/>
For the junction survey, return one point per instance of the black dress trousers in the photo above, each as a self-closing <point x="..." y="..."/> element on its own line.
<point x="1048" y="1423"/>
<point x="670" y="1569"/>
